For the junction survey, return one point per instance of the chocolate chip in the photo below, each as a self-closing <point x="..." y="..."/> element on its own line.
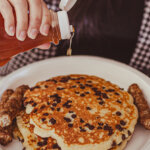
<point x="54" y="96"/>
<point x="42" y="107"/>
<point x="129" y="133"/>
<point x="89" y="81"/>
<point x="119" y="127"/>
<point x="67" y="119"/>
<point x="46" y="86"/>
<point x="114" y="144"/>
<point x="74" y="86"/>
<point x="110" y="132"/>
<point x="82" y="95"/>
<point x="78" y="82"/>
<point x="104" y="95"/>
<point x="99" y="98"/>
<point x="48" y="80"/>
<point x="117" y="93"/>
<point x="98" y="93"/>
<point x="99" y="127"/>
<point x="101" y="103"/>
<point x="60" y="88"/>
<point x="43" y="119"/>
<point x="70" y="125"/>
<point x="54" y="81"/>
<point x="110" y="90"/>
<point x="123" y="137"/>
<point x="42" y="143"/>
<point x="82" y="87"/>
<point x="94" y="89"/>
<point x="77" y="92"/>
<point x="82" y="130"/>
<point x="54" y="104"/>
<point x="57" y="100"/>
<point x="58" y="109"/>
<point x="118" y="101"/>
<point x="48" y="103"/>
<point x="123" y="123"/>
<point x="35" y="110"/>
<point x="87" y="92"/>
<point x="45" y="114"/>
<point x="91" y="127"/>
<point x="67" y="105"/>
<point x="52" y="108"/>
<point x="74" y="116"/>
<point x="55" y="146"/>
<point x="88" y="108"/>
<point x="53" y="121"/>
<point x="30" y="102"/>
<point x="69" y="101"/>
<point x="45" y="139"/>
<point x="88" y="85"/>
<point x="65" y="79"/>
<point x="34" y="104"/>
<point x="81" y="120"/>
<point x="118" y="113"/>
<point x="21" y="140"/>
<point x="100" y="124"/>
<point x="109" y="129"/>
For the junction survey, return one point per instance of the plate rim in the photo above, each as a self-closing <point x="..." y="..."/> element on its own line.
<point x="107" y="60"/>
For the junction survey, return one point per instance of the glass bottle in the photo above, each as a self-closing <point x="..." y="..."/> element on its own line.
<point x="10" y="46"/>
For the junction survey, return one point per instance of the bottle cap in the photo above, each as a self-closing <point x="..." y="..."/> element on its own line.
<point x="66" y="4"/>
<point x="65" y="27"/>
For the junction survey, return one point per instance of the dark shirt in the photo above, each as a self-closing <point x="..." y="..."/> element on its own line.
<point x="118" y="27"/>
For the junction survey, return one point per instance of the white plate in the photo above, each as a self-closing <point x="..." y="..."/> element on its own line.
<point x="113" y="71"/>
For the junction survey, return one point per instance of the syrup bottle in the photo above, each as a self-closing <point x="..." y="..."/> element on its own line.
<point x="60" y="29"/>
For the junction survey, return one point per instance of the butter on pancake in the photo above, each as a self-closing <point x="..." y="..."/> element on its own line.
<point x="30" y="140"/>
<point x="81" y="112"/>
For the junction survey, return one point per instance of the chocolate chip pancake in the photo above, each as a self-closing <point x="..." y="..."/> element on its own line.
<point x="81" y="112"/>
<point x="30" y="140"/>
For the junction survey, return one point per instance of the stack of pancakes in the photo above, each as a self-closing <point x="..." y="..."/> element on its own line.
<point x="77" y="112"/>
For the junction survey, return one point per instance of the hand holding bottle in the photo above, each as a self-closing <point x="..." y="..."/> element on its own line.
<point x="23" y="25"/>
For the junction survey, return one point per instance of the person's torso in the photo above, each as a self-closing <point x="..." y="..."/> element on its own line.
<point x="118" y="27"/>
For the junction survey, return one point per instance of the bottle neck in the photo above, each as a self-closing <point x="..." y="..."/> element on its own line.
<point x="64" y="25"/>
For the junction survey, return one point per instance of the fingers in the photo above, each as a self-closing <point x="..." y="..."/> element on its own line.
<point x="37" y="21"/>
<point x="7" y="13"/>
<point x="44" y="46"/>
<point x="21" y="9"/>
<point x="45" y="25"/>
<point x="35" y="8"/>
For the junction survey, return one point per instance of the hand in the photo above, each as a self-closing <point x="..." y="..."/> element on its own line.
<point x="30" y="25"/>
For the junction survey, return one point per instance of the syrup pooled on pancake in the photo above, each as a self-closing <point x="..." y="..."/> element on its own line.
<point x="81" y="112"/>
